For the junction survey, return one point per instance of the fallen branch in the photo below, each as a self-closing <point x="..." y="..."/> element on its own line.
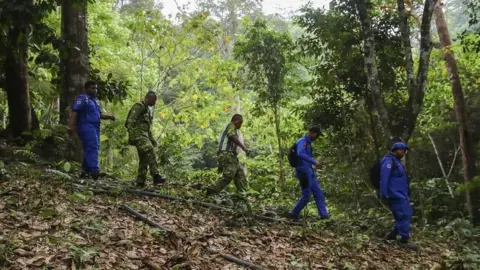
<point x="143" y="218"/>
<point x="98" y="191"/>
<point x="172" y="198"/>
<point x="157" y="195"/>
<point x="277" y="220"/>
<point x="153" y="194"/>
<point x="156" y="225"/>
<point x="236" y="260"/>
<point x="151" y="265"/>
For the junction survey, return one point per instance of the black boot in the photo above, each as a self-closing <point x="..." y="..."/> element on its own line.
<point x="140" y="184"/>
<point x="292" y="217"/>
<point x="158" y="179"/>
<point x="391" y="236"/>
<point x="94" y="175"/>
<point x="209" y="191"/>
<point x="406" y="244"/>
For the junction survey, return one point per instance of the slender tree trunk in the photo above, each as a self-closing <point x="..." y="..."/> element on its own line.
<point x="371" y="66"/>
<point x="407" y="48"/>
<point x="415" y="100"/>
<point x="16" y="75"/>
<point x="373" y="129"/>
<point x="74" y="66"/>
<point x="4" y="119"/>
<point x="280" y="148"/>
<point x="466" y="141"/>
<point x="35" y="123"/>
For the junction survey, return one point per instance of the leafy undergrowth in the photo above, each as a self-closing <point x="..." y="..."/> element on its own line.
<point x="46" y="223"/>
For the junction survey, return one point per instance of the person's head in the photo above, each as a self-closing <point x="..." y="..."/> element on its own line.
<point x="399" y="149"/>
<point x="91" y="88"/>
<point x="151" y="98"/>
<point x="314" y="133"/>
<point x="237" y="120"/>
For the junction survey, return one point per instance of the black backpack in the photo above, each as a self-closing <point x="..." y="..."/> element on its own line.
<point x="292" y="156"/>
<point x="375" y="173"/>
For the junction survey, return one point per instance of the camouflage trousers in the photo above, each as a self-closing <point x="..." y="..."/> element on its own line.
<point x="230" y="169"/>
<point x="146" y="157"/>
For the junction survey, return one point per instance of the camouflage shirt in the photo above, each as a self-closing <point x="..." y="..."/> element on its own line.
<point x="139" y="120"/>
<point x="226" y="144"/>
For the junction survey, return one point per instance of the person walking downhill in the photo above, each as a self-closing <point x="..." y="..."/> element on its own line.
<point x="394" y="191"/>
<point x="228" y="164"/>
<point x="305" y="173"/>
<point x="139" y="126"/>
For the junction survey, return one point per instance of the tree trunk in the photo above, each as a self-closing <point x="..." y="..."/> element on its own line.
<point x="16" y="75"/>
<point x="416" y="86"/>
<point x="371" y="66"/>
<point x="74" y="66"/>
<point x="407" y="47"/>
<point x="373" y="130"/>
<point x="415" y="100"/>
<point x="35" y="123"/>
<point x="280" y="148"/>
<point x="466" y="141"/>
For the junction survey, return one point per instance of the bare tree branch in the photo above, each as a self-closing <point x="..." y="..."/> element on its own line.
<point x="445" y="176"/>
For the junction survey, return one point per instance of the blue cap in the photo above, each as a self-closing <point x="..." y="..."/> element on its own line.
<point x="399" y="145"/>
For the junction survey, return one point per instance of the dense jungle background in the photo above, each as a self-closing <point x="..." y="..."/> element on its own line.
<point x="367" y="71"/>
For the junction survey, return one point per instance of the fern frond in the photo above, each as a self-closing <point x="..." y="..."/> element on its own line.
<point x="28" y="154"/>
<point x="59" y="173"/>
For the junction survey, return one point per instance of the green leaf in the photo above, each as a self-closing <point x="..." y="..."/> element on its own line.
<point x="67" y="167"/>
<point x="2" y="165"/>
<point x="48" y="213"/>
<point x="52" y="240"/>
<point x="78" y="197"/>
<point x="103" y="138"/>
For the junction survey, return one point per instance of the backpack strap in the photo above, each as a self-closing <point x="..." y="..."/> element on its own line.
<point x="394" y="164"/>
<point x="86" y="109"/>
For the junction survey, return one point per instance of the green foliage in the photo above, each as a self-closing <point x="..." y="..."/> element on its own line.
<point x="3" y="172"/>
<point x="331" y="45"/>
<point x="282" y="76"/>
<point x="80" y="197"/>
<point x="266" y="53"/>
<point x="82" y="256"/>
<point x="470" y="38"/>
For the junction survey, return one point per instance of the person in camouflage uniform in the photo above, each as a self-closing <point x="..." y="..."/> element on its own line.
<point x="139" y="124"/>
<point x="228" y="165"/>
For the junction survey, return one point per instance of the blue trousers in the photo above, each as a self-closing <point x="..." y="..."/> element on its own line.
<point x="402" y="213"/>
<point x="309" y="184"/>
<point x="90" y="136"/>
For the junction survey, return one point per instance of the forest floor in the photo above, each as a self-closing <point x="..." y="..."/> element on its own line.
<point x="48" y="223"/>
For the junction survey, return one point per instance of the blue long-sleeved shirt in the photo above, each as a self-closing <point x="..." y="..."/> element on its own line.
<point x="305" y="154"/>
<point x="393" y="178"/>
<point x="88" y="109"/>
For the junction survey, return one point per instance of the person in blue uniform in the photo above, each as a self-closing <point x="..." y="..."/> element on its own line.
<point x="85" y="119"/>
<point x="394" y="190"/>
<point x="306" y="175"/>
